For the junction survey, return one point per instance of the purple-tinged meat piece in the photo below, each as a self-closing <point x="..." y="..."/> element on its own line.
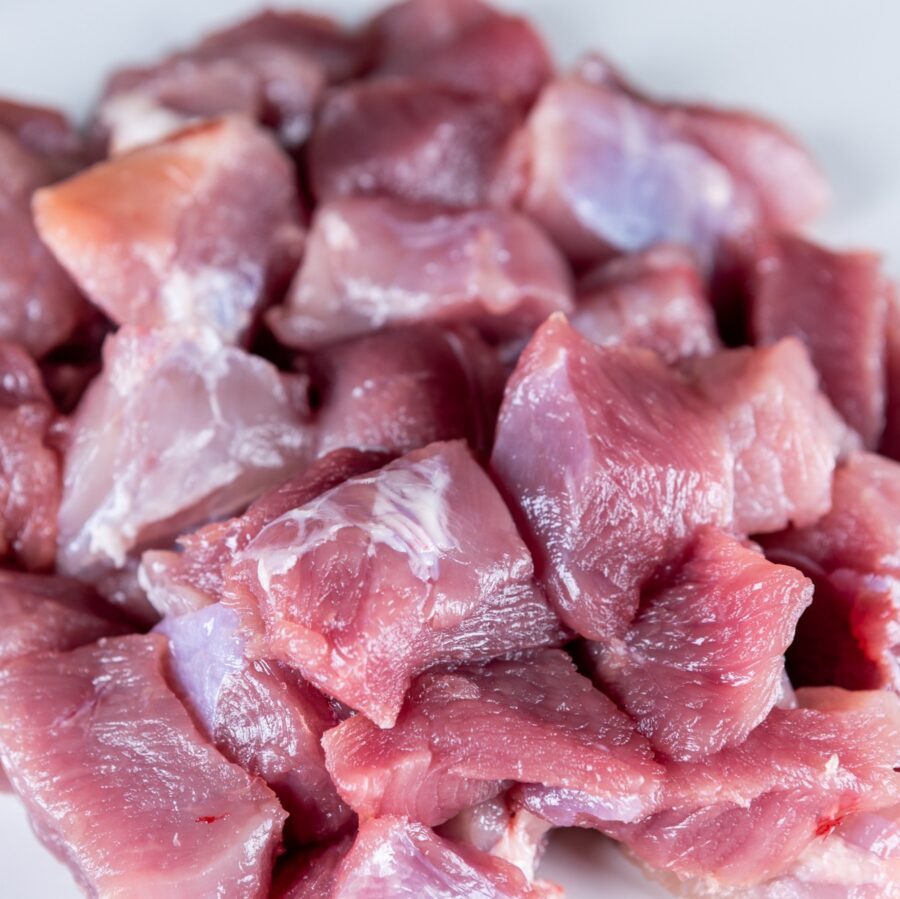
<point x="466" y="45"/>
<point x="465" y="735"/>
<point x="374" y="262"/>
<point x="890" y="437"/>
<point x="702" y="664"/>
<point x="612" y="463"/>
<point x="259" y="715"/>
<point x="192" y="577"/>
<point x="784" y="433"/>
<point x="194" y="231"/>
<point x="388" y="574"/>
<point x="121" y="786"/>
<point x="400" y="390"/>
<point x="45" y="132"/>
<point x="837" y="305"/>
<point x="653" y="299"/>
<point x="311" y="873"/>
<point x="411" y="140"/>
<point x="178" y="430"/>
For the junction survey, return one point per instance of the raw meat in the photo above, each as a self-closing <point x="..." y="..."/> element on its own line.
<point x="654" y="299"/>
<point x="45" y="132"/>
<point x="388" y="574"/>
<point x="120" y="785"/>
<point x="183" y="581"/>
<point x="612" y="464"/>
<point x="134" y="477"/>
<point x="890" y="437"/>
<point x="194" y="231"/>
<point x="702" y="663"/>
<point x="414" y="141"/>
<point x="29" y="463"/>
<point x="259" y="715"/>
<point x="464" y="735"/>
<point x="373" y="262"/>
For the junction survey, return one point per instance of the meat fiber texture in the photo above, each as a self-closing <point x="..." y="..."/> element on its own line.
<point x="193" y="577"/>
<point x="849" y="635"/>
<point x="465" y="735"/>
<point x="373" y="262"/>
<point x="191" y="232"/>
<point x="272" y="67"/>
<point x="653" y="299"/>
<point x="30" y="481"/>
<point x="133" y="478"/>
<point x="388" y="574"/>
<point x="259" y="715"/>
<point x="119" y="783"/>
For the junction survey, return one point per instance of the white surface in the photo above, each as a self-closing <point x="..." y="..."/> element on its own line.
<point x="829" y="71"/>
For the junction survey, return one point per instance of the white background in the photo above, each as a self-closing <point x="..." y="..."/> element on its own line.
<point x="829" y="70"/>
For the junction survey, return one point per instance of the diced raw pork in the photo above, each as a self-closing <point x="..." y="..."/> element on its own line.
<point x="613" y="464"/>
<point x="121" y="786"/>
<point x="389" y="574"/>
<point x="45" y="612"/>
<point x="194" y="231"/>
<point x="466" y="45"/>
<point x="653" y="299"/>
<point x="464" y="735"/>
<point x="310" y="874"/>
<point x="29" y="462"/>
<point x="890" y="437"/>
<point x="373" y="262"/>
<point x="411" y="140"/>
<point x="45" y="132"/>
<point x="178" y="430"/>
<point x="837" y="304"/>
<point x="702" y="663"/>
<point x="192" y="577"/>
<point x="784" y="433"/>
<point x="259" y="715"/>
<point x="400" y="390"/>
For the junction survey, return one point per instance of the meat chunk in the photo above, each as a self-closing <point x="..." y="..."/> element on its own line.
<point x="836" y="304"/>
<point x="467" y="45"/>
<point x="119" y="783"/>
<point x="464" y="735"/>
<point x="29" y="463"/>
<point x="612" y="464"/>
<point x="194" y="231"/>
<point x="135" y="477"/>
<point x="889" y="444"/>
<point x="702" y="663"/>
<point x="411" y="140"/>
<point x="259" y="715"/>
<point x="388" y="574"/>
<point x="373" y="262"/>
<point x="45" y="132"/>
<point x="653" y="299"/>
<point x="784" y="433"/>
<point x="400" y="390"/>
<point x="193" y="577"/>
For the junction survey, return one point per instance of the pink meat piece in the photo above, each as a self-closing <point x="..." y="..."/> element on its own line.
<point x="40" y="307"/>
<point x="389" y="574"/>
<point x="612" y="464"/>
<point x="45" y="132"/>
<point x="46" y="612"/>
<point x="373" y="262"/>
<point x="654" y="299"/>
<point x="702" y="663"/>
<point x="849" y="636"/>
<point x="29" y="463"/>
<point x="194" y="231"/>
<point x="605" y="168"/>
<point x="890" y="437"/>
<point x="463" y="736"/>
<point x="784" y="433"/>
<point x="121" y="786"/>
<point x="133" y="477"/>
<point x="259" y="715"/>
<point x="742" y="816"/>
<point x="468" y="46"/>
<point x="411" y="140"/>
<point x="400" y="390"/>
<point x="193" y="577"/>
<point x="837" y="305"/>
